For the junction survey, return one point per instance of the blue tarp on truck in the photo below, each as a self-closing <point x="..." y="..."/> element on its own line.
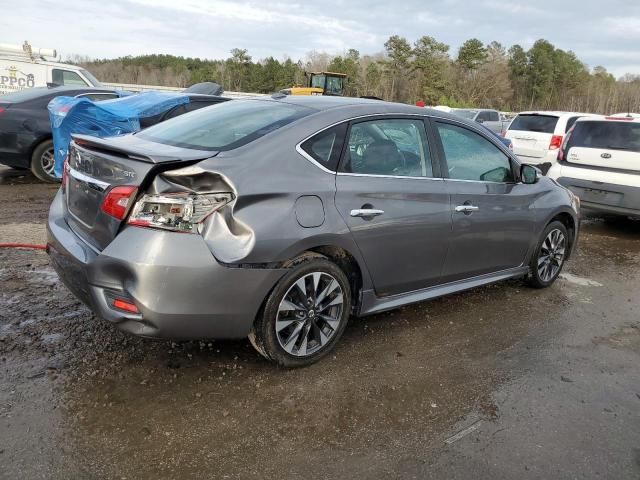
<point x="107" y="118"/>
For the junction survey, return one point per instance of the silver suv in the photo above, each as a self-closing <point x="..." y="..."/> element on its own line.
<point x="278" y="218"/>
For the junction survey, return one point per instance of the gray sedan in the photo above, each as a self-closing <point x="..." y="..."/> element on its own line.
<point x="279" y="218"/>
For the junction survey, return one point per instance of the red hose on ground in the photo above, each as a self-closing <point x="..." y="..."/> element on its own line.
<point x="23" y="245"/>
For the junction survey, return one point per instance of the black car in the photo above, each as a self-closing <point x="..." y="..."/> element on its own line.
<point x="25" y="130"/>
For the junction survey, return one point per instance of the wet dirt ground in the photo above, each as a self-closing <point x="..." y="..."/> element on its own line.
<point x="498" y="382"/>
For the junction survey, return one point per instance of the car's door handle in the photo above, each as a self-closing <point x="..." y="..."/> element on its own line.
<point x="366" y="212"/>
<point x="467" y="208"/>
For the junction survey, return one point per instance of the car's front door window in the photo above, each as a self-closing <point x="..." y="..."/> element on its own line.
<point x="470" y="156"/>
<point x="390" y="147"/>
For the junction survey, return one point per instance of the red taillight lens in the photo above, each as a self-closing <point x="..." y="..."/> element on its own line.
<point x="117" y="200"/>
<point x="124" y="305"/>
<point x="556" y="141"/>
<point x="2" y="109"/>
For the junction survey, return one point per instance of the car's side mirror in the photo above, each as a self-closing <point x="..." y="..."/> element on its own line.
<point x="479" y="120"/>
<point x="530" y="174"/>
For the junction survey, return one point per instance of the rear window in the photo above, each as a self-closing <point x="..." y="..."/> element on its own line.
<point x="225" y="126"/>
<point x="534" y="123"/>
<point x="468" y="114"/>
<point x="606" y="135"/>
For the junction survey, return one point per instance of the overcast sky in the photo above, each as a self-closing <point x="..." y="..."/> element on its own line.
<point x="600" y="33"/>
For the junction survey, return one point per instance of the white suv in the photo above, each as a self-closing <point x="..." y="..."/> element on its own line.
<point x="599" y="161"/>
<point x="537" y="136"/>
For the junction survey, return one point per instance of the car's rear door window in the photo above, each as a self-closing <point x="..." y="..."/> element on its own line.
<point x="534" y="123"/>
<point x="606" y="135"/>
<point x="225" y="126"/>
<point x="325" y="147"/>
<point x="390" y="147"/>
<point x="470" y="156"/>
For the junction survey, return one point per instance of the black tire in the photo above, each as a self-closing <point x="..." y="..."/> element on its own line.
<point x="536" y="278"/>
<point x="263" y="335"/>
<point x="39" y="165"/>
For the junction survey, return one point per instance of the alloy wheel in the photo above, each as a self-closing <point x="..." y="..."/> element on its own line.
<point x="309" y="314"/>
<point x="47" y="161"/>
<point x="551" y="255"/>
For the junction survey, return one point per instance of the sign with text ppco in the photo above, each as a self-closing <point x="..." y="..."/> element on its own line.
<point x="13" y="79"/>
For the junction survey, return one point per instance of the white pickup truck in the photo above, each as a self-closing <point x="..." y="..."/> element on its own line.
<point x="24" y="66"/>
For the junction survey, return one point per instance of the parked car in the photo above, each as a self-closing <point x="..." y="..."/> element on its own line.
<point x="537" y="136"/>
<point x="25" y="131"/>
<point x="505" y="141"/>
<point x="600" y="162"/>
<point x="277" y="218"/>
<point x="492" y="119"/>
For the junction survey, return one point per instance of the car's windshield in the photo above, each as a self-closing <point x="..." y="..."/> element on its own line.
<point x="92" y="80"/>
<point x="606" y="135"/>
<point x="468" y="114"/>
<point x="225" y="126"/>
<point x="534" y="123"/>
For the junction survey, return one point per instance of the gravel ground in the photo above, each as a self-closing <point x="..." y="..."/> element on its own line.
<point x="499" y="382"/>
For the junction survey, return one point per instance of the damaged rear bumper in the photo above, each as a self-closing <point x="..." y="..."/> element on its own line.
<point x="177" y="285"/>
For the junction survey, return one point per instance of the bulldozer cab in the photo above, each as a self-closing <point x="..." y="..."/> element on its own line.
<point x="330" y="83"/>
<point x="320" y="83"/>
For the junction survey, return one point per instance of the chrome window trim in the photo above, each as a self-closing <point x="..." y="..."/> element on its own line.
<point x="301" y="151"/>
<point x="424" y="116"/>
<point x="348" y="174"/>
<point x="87" y="179"/>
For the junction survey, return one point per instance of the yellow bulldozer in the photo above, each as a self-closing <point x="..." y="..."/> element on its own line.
<point x="320" y="83"/>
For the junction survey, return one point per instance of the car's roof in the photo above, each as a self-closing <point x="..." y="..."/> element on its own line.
<point x="554" y="113"/>
<point x="39" y="92"/>
<point x="358" y="105"/>
<point x="204" y="97"/>
<point x="612" y="119"/>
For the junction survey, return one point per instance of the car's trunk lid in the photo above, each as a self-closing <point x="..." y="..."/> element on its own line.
<point x="98" y="165"/>
<point x="531" y="134"/>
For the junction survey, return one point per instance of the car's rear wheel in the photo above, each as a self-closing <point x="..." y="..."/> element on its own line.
<point x="304" y="315"/>
<point x="42" y="162"/>
<point x="549" y="258"/>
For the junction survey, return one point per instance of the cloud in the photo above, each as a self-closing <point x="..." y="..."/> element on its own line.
<point x="211" y="28"/>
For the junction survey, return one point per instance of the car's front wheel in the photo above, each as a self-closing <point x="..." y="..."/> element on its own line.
<point x="304" y="315"/>
<point x="42" y="162"/>
<point x="549" y="257"/>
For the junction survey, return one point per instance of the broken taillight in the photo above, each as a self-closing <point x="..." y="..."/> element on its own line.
<point x="116" y="202"/>
<point x="180" y="212"/>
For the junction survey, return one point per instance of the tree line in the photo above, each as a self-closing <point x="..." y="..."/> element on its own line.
<point x="478" y="75"/>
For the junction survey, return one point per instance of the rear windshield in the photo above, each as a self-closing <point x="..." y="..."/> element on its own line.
<point x="468" y="114"/>
<point x="534" y="123"/>
<point x="225" y="126"/>
<point x="606" y="135"/>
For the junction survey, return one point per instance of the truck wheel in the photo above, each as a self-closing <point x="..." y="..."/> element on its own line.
<point x="42" y="162"/>
<point x="305" y="314"/>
